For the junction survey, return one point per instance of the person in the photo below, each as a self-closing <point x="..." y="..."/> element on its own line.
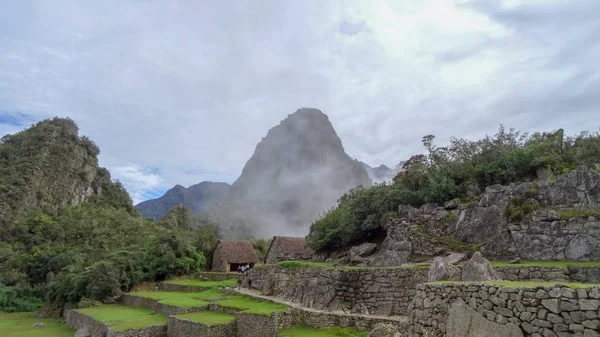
<point x="249" y="282"/>
<point x="240" y="282"/>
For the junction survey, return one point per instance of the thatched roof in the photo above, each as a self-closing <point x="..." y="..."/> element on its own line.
<point x="237" y="251"/>
<point x="291" y="245"/>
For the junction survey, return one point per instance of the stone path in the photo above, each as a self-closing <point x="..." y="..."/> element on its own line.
<point x="400" y="320"/>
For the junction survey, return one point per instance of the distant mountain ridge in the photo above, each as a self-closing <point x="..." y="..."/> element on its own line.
<point x="197" y="198"/>
<point x="298" y="170"/>
<point x="382" y="173"/>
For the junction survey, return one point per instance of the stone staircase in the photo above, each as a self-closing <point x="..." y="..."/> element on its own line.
<point x="181" y="310"/>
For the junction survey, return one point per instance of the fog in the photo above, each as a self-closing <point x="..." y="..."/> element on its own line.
<point x="298" y="171"/>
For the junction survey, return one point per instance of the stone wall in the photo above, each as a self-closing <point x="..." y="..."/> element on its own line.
<point x="541" y="235"/>
<point x="78" y="321"/>
<point x="550" y="274"/>
<point x="477" y="309"/>
<point x="178" y="327"/>
<point x="385" y="291"/>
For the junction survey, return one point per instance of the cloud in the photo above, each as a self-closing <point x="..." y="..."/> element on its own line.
<point x="142" y="182"/>
<point x="190" y="88"/>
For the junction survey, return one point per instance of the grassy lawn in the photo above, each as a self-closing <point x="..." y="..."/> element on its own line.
<point x="21" y="325"/>
<point x="208" y="317"/>
<point x="301" y="331"/>
<point x="204" y="284"/>
<point x="252" y="306"/>
<point x="180" y="299"/>
<point x="120" y="317"/>
<point x="560" y="264"/>
<point x="518" y="284"/>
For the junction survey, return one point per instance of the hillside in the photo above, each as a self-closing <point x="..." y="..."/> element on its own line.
<point x="68" y="232"/>
<point x="49" y="166"/>
<point x="459" y="173"/>
<point x="297" y="171"/>
<point x="197" y="198"/>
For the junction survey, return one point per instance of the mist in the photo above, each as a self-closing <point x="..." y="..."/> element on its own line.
<point x="298" y="171"/>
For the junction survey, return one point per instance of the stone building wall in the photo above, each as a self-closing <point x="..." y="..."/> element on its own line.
<point x="470" y="310"/>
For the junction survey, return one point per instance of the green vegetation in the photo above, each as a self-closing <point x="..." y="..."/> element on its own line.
<point x="57" y="248"/>
<point x="180" y="299"/>
<point x="558" y="264"/>
<point x="519" y="208"/>
<point x="21" y="325"/>
<point x="204" y="284"/>
<point x="304" y="331"/>
<point x="454" y="171"/>
<point x="207" y="317"/>
<point x="121" y="318"/>
<point x="197" y="299"/>
<point x="261" y="246"/>
<point x="577" y="213"/>
<point x="252" y="306"/>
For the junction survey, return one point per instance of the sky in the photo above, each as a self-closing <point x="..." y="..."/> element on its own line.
<point x="179" y="91"/>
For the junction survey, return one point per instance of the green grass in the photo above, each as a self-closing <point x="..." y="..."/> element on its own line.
<point x="204" y="284"/>
<point x="189" y="299"/>
<point x="180" y="299"/>
<point x="560" y="264"/>
<point x="577" y="213"/>
<point x="21" y="325"/>
<point x="208" y="317"/>
<point x="526" y="284"/>
<point x="120" y="317"/>
<point x="303" y="331"/>
<point x="251" y="305"/>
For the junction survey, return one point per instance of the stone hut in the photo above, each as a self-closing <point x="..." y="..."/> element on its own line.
<point x="284" y="248"/>
<point x="228" y="255"/>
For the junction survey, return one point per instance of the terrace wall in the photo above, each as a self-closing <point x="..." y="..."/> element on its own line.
<point x="491" y="310"/>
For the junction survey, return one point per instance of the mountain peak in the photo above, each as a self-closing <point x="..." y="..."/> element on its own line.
<point x="298" y="170"/>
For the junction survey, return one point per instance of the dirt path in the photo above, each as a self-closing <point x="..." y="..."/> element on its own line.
<point x="256" y="294"/>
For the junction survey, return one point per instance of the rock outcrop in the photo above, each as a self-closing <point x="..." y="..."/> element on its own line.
<point x="297" y="171"/>
<point x="442" y="270"/>
<point x="497" y="223"/>
<point x="478" y="269"/>
<point x="393" y="253"/>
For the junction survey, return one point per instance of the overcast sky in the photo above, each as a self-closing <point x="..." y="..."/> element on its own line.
<point x="177" y="92"/>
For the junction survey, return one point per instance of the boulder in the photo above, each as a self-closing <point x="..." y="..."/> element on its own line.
<point x="442" y="270"/>
<point x="583" y="248"/>
<point x="393" y="253"/>
<point x="452" y="204"/>
<point x="545" y="174"/>
<point x="39" y="325"/>
<point x="362" y="250"/>
<point x="384" y="330"/>
<point x="455" y="258"/>
<point x="479" y="269"/>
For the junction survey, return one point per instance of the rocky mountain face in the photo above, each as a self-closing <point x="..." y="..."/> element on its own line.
<point x="554" y="219"/>
<point x="50" y="166"/>
<point x="382" y="173"/>
<point x="197" y="198"/>
<point x="297" y="171"/>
